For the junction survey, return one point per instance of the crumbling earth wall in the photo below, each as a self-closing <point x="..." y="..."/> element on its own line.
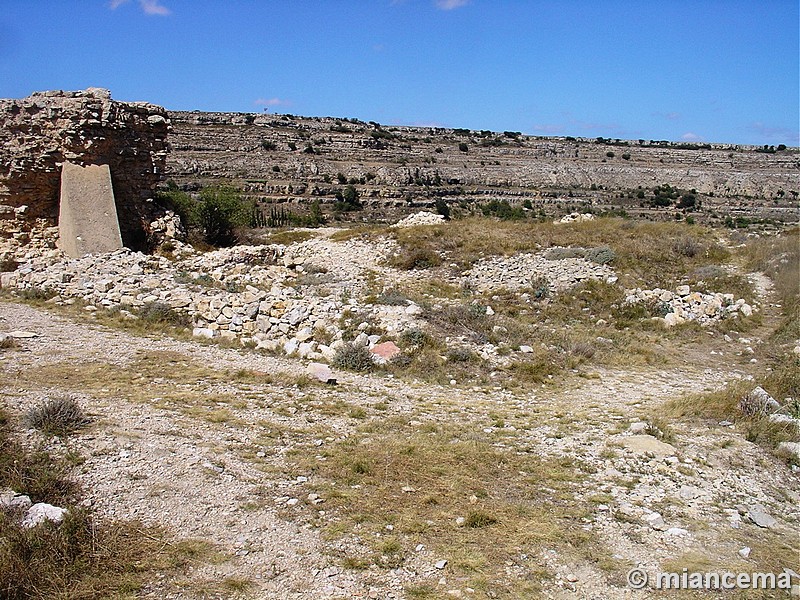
<point x="39" y="133"/>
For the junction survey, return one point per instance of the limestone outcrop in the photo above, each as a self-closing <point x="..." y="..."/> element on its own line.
<point x="41" y="132"/>
<point x="295" y="160"/>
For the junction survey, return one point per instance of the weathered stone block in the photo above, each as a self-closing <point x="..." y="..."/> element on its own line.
<point x="87" y="218"/>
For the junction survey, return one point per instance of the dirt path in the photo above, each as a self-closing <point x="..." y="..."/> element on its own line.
<point x="207" y="457"/>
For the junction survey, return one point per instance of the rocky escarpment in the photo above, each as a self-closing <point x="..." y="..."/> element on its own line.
<point x="39" y="133"/>
<point x="283" y="158"/>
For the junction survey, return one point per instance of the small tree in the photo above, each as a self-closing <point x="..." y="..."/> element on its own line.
<point x="350" y="197"/>
<point x="442" y="208"/>
<point x="220" y="210"/>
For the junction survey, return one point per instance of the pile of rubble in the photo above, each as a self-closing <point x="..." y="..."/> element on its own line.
<point x="574" y="218"/>
<point x="529" y="270"/>
<point x="420" y="218"/>
<point x="683" y="305"/>
<point x="244" y="293"/>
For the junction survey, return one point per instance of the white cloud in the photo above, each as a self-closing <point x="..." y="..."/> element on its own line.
<point x="776" y="134"/>
<point x="548" y="128"/>
<point x="691" y="137"/>
<point x="669" y="116"/>
<point x="154" y="7"/>
<point x="267" y="102"/>
<point x="149" y="7"/>
<point x="450" y="4"/>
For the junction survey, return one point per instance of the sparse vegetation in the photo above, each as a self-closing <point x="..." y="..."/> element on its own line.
<point x="353" y="357"/>
<point x="448" y="473"/>
<point x="83" y="557"/>
<point x="58" y="416"/>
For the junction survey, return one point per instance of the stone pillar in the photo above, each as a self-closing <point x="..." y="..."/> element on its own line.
<point x="87" y="218"/>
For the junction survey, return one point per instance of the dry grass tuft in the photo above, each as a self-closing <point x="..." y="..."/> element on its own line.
<point x="59" y="416"/>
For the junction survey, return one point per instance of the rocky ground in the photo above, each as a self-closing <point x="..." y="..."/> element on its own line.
<point x="240" y="448"/>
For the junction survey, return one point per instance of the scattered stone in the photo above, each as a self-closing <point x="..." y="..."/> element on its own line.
<point x="655" y="521"/>
<point x="685" y="305"/>
<point x="41" y="512"/>
<point x="574" y="217"/>
<point x="10" y="499"/>
<point x="638" y="427"/>
<point x="23" y="335"/>
<point x="689" y="492"/>
<point x="420" y="218"/>
<point x="758" y="515"/>
<point x="647" y="444"/>
<point x="758" y="402"/>
<point x="440" y="564"/>
<point x="745" y="552"/>
<point x="677" y="531"/>
<point x="792" y="448"/>
<point x="321" y="372"/>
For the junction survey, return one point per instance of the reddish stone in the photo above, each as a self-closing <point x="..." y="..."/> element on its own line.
<point x="386" y="350"/>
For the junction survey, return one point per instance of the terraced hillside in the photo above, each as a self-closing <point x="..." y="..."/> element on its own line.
<point x="288" y="159"/>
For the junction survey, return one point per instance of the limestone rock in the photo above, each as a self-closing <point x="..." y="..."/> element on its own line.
<point x="758" y="402"/>
<point x="758" y="515"/>
<point x="41" y="512"/>
<point x="647" y="444"/>
<point x="321" y="372"/>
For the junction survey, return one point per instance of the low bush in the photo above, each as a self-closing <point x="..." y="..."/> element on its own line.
<point x="33" y="473"/>
<point x="416" y="258"/>
<point x="602" y="255"/>
<point x="162" y="313"/>
<point x="59" y="416"/>
<point x="565" y="253"/>
<point x="353" y="357"/>
<point x="413" y="337"/>
<point x="392" y="297"/>
<point x="460" y="354"/>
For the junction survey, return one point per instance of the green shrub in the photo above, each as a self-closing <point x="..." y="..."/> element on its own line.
<point x="540" y="287"/>
<point x="178" y="202"/>
<point x="162" y="313"/>
<point x="503" y="210"/>
<point x="565" y="253"/>
<point x="414" y="337"/>
<point x="477" y="519"/>
<point x="353" y="357"/>
<point x="219" y="212"/>
<point x="602" y="255"/>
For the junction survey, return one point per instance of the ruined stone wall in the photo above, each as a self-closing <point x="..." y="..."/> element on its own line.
<point x="40" y="132"/>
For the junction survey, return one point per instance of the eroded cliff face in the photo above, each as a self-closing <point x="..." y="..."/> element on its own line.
<point x="283" y="158"/>
<point x="39" y="133"/>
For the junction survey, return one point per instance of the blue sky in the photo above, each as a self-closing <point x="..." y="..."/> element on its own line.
<point x="710" y="70"/>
